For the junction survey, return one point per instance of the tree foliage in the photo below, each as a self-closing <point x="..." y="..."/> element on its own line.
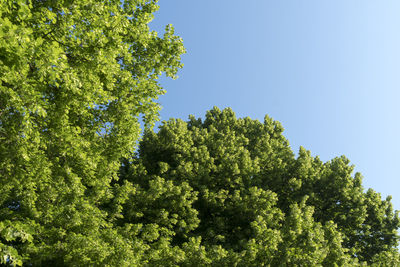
<point x="238" y="196"/>
<point x="74" y="78"/>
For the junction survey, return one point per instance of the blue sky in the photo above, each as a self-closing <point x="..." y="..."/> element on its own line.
<point x="329" y="71"/>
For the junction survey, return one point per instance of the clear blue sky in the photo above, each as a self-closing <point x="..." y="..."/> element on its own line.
<point x="329" y="71"/>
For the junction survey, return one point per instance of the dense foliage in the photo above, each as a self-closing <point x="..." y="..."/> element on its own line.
<point x="74" y="78"/>
<point x="230" y="192"/>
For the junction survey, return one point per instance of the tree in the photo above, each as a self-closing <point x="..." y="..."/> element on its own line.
<point x="230" y="192"/>
<point x="75" y="78"/>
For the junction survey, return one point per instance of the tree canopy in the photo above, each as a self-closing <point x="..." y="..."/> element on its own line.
<point x="75" y="78"/>
<point x="230" y="192"/>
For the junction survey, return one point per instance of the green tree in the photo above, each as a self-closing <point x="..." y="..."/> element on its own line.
<point x="75" y="77"/>
<point x="230" y="192"/>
